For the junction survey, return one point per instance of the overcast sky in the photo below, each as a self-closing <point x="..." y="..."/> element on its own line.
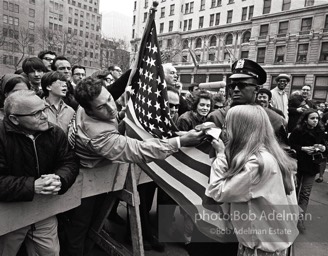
<point x="121" y="6"/>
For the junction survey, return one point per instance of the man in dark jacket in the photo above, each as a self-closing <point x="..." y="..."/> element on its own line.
<point x="35" y="158"/>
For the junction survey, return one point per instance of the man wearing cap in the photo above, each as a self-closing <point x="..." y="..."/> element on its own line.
<point x="264" y="99"/>
<point x="279" y="96"/>
<point x="246" y="77"/>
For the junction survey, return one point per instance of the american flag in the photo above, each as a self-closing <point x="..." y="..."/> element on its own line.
<point x="148" y="89"/>
<point x="185" y="174"/>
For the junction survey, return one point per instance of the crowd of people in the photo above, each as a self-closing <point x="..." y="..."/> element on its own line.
<point x="54" y="119"/>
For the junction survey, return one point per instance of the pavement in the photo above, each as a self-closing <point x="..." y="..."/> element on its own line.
<point x="313" y="242"/>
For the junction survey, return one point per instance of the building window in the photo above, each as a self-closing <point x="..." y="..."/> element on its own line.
<point x="135" y="5"/>
<point x="32" y="1"/>
<point x="320" y="89"/>
<point x="213" y="41"/>
<point x="244" y="13"/>
<point x="302" y="52"/>
<point x="187" y="8"/>
<point x="161" y="27"/>
<point x="217" y="19"/>
<point x="184" y="58"/>
<point x="11" y="7"/>
<point x="211" y="20"/>
<point x="266" y="6"/>
<point x="306" y="24"/>
<point x="244" y="55"/>
<point x="264" y="29"/>
<point x="216" y="3"/>
<point x="283" y="28"/>
<point x="191" y="7"/>
<point x="162" y="12"/>
<point x="132" y="33"/>
<point x="229" y="16"/>
<point x="246" y="37"/>
<point x="16" y="8"/>
<point x="202" y="5"/>
<point x="145" y="17"/>
<point x="185" y="24"/>
<point x="5" y="5"/>
<point x="198" y="57"/>
<point x="134" y="20"/>
<point x="229" y="39"/>
<point x="160" y="43"/>
<point x="170" y="25"/>
<point x="16" y="21"/>
<point x="250" y="12"/>
<point x="31" y="25"/>
<point x="169" y="43"/>
<point x="280" y="54"/>
<point x="185" y="44"/>
<point x="146" y="3"/>
<point x="324" y="52"/>
<point x="172" y="9"/>
<point x="260" y="55"/>
<point x="211" y="56"/>
<point x="190" y="24"/>
<point x="201" y="22"/>
<point x="286" y="5"/>
<point x="5" y="19"/>
<point x="231" y="2"/>
<point x="309" y="2"/>
<point x="326" y="23"/>
<point x="198" y="43"/>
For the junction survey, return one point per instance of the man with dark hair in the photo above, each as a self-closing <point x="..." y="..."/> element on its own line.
<point x="35" y="158"/>
<point x="34" y="69"/>
<point x="306" y="92"/>
<point x="78" y="73"/>
<point x="97" y="140"/>
<point x="62" y="65"/>
<point x="47" y="58"/>
<point x="263" y="98"/>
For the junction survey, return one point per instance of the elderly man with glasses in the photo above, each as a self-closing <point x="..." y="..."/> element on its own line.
<point x="35" y="158"/>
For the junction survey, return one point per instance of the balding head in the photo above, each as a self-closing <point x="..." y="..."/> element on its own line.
<point x="26" y="111"/>
<point x="21" y="102"/>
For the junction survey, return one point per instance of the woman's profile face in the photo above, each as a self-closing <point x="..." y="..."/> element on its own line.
<point x="312" y="120"/>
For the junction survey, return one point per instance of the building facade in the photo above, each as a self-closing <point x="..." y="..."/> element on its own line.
<point x="283" y="36"/>
<point x="69" y="27"/>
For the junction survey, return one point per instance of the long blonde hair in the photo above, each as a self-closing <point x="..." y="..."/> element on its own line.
<point x="249" y="129"/>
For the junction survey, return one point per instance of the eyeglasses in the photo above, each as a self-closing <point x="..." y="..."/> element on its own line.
<point x="118" y="70"/>
<point x="48" y="59"/>
<point x="36" y="114"/>
<point x="174" y="105"/>
<point x="240" y="85"/>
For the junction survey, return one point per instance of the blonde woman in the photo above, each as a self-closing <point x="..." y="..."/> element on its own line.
<point x="255" y="175"/>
